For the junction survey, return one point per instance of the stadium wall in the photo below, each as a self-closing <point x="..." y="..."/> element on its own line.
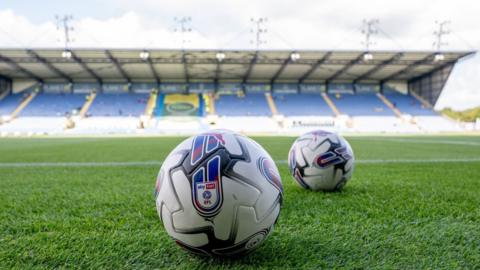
<point x="430" y="86"/>
<point x="5" y="87"/>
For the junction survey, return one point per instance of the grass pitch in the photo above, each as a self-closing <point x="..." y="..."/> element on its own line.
<point x="413" y="203"/>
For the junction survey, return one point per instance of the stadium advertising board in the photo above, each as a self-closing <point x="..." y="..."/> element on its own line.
<point x="341" y="88"/>
<point x="285" y="88"/>
<point x="173" y="88"/>
<point x="57" y="88"/>
<point x="85" y="88"/>
<point x="312" y="88"/>
<point x="200" y="88"/>
<point x="143" y="88"/>
<point x="115" y="88"/>
<point x="257" y="87"/>
<point x="181" y="105"/>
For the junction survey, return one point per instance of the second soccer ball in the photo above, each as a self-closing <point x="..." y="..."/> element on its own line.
<point x="321" y="160"/>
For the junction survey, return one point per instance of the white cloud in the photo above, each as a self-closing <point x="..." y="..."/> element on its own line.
<point x="326" y="24"/>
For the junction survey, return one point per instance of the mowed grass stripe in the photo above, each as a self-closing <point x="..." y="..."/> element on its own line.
<point x="158" y="163"/>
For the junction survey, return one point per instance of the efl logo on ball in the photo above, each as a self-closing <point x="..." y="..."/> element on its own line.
<point x="207" y="191"/>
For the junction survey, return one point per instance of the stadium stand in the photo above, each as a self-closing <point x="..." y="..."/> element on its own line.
<point x="407" y="104"/>
<point x="362" y="104"/>
<point x="10" y="103"/>
<point x="118" y="105"/>
<point x="301" y="105"/>
<point x="53" y="105"/>
<point x="248" y="105"/>
<point x="264" y="94"/>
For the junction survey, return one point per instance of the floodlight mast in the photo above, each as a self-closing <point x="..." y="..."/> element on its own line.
<point x="258" y="30"/>
<point x="63" y="23"/>
<point x="183" y="27"/>
<point x="440" y="33"/>
<point x="368" y="30"/>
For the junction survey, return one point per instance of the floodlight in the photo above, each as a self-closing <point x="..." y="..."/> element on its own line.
<point x="67" y="54"/>
<point x="368" y="57"/>
<point x="294" y="56"/>
<point x="439" y="57"/>
<point x="220" y="56"/>
<point x="144" y="55"/>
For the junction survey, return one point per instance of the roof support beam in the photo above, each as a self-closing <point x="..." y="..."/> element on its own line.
<point x="185" y="68"/>
<point x="118" y="66"/>
<point x="19" y="68"/>
<point x="153" y="70"/>
<point x="50" y="66"/>
<point x="86" y="68"/>
<point x="282" y="68"/>
<point x="216" y="77"/>
<point x="378" y="67"/>
<point x="425" y="60"/>
<point x="346" y="67"/>
<point x="314" y="67"/>
<point x="250" y="68"/>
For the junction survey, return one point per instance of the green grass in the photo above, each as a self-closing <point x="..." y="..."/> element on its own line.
<point x="404" y="215"/>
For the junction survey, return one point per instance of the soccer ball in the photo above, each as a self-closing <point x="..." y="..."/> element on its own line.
<point x="321" y="160"/>
<point x="219" y="194"/>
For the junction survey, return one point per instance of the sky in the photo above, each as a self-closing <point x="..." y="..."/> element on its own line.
<point x="217" y="24"/>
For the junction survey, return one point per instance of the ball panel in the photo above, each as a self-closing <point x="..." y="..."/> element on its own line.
<point x="187" y="218"/>
<point x="167" y="196"/>
<point x="236" y="194"/>
<point x="192" y="239"/>
<point x="249" y="223"/>
<point x="267" y="190"/>
<point x="231" y="144"/>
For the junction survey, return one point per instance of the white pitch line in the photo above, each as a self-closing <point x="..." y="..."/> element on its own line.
<point x="81" y="164"/>
<point x="426" y="141"/>
<point x="158" y="163"/>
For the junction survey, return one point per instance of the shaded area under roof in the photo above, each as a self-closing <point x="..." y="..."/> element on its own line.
<point x="270" y="66"/>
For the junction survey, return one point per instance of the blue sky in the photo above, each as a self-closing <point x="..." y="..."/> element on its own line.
<point x="302" y="24"/>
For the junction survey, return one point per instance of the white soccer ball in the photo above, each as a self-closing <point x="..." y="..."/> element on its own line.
<point x="219" y="194"/>
<point x="321" y="160"/>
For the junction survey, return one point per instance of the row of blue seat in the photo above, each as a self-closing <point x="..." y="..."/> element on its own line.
<point x="408" y="104"/>
<point x="226" y="105"/>
<point x="367" y="104"/>
<point x="249" y="105"/>
<point x="118" y="105"/>
<point x="56" y="105"/>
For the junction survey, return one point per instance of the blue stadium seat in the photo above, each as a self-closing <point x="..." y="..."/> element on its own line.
<point x="249" y="105"/>
<point x="301" y="105"/>
<point x="10" y="103"/>
<point x="118" y="105"/>
<point x="408" y="104"/>
<point x="53" y="105"/>
<point x="361" y="104"/>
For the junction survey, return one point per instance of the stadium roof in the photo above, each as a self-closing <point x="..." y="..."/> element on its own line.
<point x="126" y="65"/>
